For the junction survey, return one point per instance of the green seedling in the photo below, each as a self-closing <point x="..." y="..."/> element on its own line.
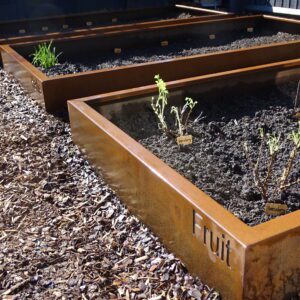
<point x="45" y="56"/>
<point x="160" y="104"/>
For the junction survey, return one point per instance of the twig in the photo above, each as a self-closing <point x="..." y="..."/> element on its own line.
<point x="297" y="98"/>
<point x="257" y="181"/>
<point x="16" y="287"/>
<point x="288" y="169"/>
<point x="290" y="184"/>
<point x="269" y="173"/>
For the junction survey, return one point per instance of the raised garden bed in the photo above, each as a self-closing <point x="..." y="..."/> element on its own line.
<point x="63" y="26"/>
<point x="54" y="91"/>
<point x="242" y="261"/>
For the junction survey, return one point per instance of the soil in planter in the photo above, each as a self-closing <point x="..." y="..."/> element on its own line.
<point x="216" y="161"/>
<point x="179" y="48"/>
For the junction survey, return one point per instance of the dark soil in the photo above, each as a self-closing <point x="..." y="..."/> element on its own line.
<point x="216" y="161"/>
<point x="184" y="47"/>
<point x="64" y="234"/>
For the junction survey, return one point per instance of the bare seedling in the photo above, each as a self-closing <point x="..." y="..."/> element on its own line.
<point x="295" y="138"/>
<point x="264" y="182"/>
<point x="182" y="116"/>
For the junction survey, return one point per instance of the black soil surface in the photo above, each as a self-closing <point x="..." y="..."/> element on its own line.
<point x="180" y="48"/>
<point x="64" y="234"/>
<point x="216" y="161"/>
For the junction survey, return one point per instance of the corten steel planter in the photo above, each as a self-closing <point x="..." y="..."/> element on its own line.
<point x="243" y="262"/>
<point x="20" y="31"/>
<point x="53" y="92"/>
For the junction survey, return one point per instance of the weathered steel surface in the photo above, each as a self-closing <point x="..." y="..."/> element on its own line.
<point x="260" y="262"/>
<point x="31" y="78"/>
<point x="55" y="91"/>
<point x="31" y="30"/>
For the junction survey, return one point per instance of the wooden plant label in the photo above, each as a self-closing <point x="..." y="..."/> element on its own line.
<point x="114" y="20"/>
<point x="250" y="29"/>
<point x="117" y="50"/>
<point x="65" y="26"/>
<point x="184" y="140"/>
<point x="275" y="209"/>
<point x="164" y="43"/>
<point x="22" y="31"/>
<point x="297" y="116"/>
<point x="212" y="36"/>
<point x="89" y="23"/>
<point x="44" y="28"/>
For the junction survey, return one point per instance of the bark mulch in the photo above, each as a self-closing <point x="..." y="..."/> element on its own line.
<point x="64" y="234"/>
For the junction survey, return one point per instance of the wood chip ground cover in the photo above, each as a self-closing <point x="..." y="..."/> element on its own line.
<point x="64" y="234"/>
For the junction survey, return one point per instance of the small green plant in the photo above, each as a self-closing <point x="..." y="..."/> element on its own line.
<point x="182" y="115"/>
<point x="45" y="56"/>
<point x="161" y="102"/>
<point x="263" y="182"/>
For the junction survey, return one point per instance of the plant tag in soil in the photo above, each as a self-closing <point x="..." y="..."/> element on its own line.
<point x="164" y="43"/>
<point x="114" y="20"/>
<point x="297" y="116"/>
<point x="117" y="50"/>
<point x="212" y="36"/>
<point x="275" y="209"/>
<point x="184" y="140"/>
<point x="250" y="29"/>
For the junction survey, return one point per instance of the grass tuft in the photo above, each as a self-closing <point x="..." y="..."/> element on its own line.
<point x="45" y="56"/>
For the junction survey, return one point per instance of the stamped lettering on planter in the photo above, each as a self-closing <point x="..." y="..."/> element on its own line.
<point x="219" y="245"/>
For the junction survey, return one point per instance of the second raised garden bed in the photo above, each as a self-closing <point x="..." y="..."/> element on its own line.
<point x="242" y="261"/>
<point x="166" y="50"/>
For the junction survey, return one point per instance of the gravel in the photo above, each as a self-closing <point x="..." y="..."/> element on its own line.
<point x="216" y="161"/>
<point x="180" y="48"/>
<point x="64" y="234"/>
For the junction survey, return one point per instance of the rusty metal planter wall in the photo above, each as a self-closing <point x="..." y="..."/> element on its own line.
<point x="260" y="262"/>
<point x="53" y="92"/>
<point x="12" y="32"/>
